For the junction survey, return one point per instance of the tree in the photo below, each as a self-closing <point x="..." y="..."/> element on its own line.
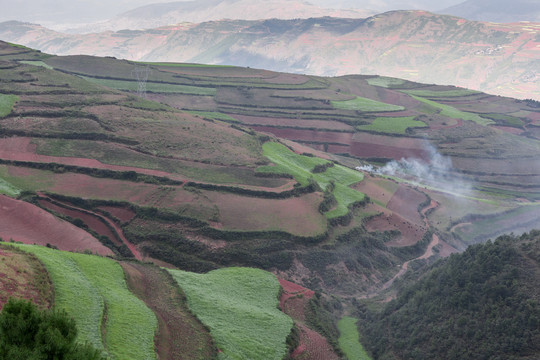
<point x="27" y="333"/>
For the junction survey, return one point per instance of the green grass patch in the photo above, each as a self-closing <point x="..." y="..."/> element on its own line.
<point x="442" y="93"/>
<point x="88" y="287"/>
<point x="212" y="115"/>
<point x="6" y="104"/>
<point x="452" y="112"/>
<point x="349" y="339"/>
<point x="392" y="125"/>
<point x="364" y="104"/>
<point x="239" y="305"/>
<point x="300" y="166"/>
<point x="8" y="189"/>
<point x="36" y="63"/>
<point x="170" y="64"/>
<point x="385" y="82"/>
<point x="126" y="85"/>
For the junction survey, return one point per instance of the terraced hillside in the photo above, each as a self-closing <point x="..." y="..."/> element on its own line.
<point x="193" y="174"/>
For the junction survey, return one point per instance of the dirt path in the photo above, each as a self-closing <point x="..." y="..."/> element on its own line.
<point x="136" y="253"/>
<point x="180" y="335"/>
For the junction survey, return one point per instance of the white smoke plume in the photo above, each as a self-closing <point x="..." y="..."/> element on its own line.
<point x="437" y="173"/>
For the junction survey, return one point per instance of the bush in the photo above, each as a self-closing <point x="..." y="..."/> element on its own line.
<point x="28" y="333"/>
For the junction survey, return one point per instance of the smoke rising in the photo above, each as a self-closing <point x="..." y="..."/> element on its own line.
<point x="437" y="173"/>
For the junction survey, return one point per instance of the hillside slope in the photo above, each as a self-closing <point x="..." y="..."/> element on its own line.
<point x="415" y="45"/>
<point x="482" y="304"/>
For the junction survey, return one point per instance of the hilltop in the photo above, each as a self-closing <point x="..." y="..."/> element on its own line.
<point x="413" y="45"/>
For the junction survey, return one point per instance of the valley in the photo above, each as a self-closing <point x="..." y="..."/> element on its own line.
<point x="339" y="189"/>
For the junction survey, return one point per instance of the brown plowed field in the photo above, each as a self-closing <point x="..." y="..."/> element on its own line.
<point x="29" y="224"/>
<point x="122" y="214"/>
<point x="293" y="302"/>
<point x="23" y="276"/>
<point x="405" y="202"/>
<point x="92" y="222"/>
<point x="268" y="121"/>
<point x="410" y="233"/>
<point x="180" y="335"/>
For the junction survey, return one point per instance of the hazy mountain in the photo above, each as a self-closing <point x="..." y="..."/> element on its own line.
<point x="161" y="14"/>
<point x="500" y="11"/>
<point x="414" y="45"/>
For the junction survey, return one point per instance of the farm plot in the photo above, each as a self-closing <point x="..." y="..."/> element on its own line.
<point x="348" y="339"/>
<point x="93" y="291"/>
<point x="126" y="85"/>
<point x="364" y="104"/>
<point x="239" y="305"/>
<point x="392" y="125"/>
<point x="452" y="112"/>
<point x="6" y="104"/>
<point x="338" y="177"/>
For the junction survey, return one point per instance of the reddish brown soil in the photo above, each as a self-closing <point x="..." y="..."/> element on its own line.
<point x="376" y="188"/>
<point x="410" y="233"/>
<point x="122" y="214"/>
<point x="29" y="224"/>
<point x="405" y="202"/>
<point x="92" y="222"/>
<point x="22" y="276"/>
<point x="511" y="130"/>
<point x="108" y="221"/>
<point x="293" y="302"/>
<point x="180" y="335"/>
<point x="268" y="121"/>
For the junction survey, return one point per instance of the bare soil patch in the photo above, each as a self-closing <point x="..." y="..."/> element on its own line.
<point x="410" y="233"/>
<point x="180" y="335"/>
<point x="269" y="121"/>
<point x="405" y="202"/>
<point x="121" y="213"/>
<point x="29" y="224"/>
<point x="23" y="276"/>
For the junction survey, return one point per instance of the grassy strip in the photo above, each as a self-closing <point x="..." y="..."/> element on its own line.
<point x="364" y="104"/>
<point x="239" y="305"/>
<point x="385" y="82"/>
<point x="443" y="93"/>
<point x="36" y="63"/>
<point x="6" y="104"/>
<point x="392" y="125"/>
<point x="9" y="189"/>
<point x="336" y="179"/>
<point x="349" y="339"/>
<point x="212" y="115"/>
<point x="452" y="112"/>
<point x="127" y="85"/>
<point x="171" y="64"/>
<point x="88" y="285"/>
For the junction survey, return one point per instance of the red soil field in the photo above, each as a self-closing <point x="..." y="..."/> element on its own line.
<point x="122" y="214"/>
<point x="511" y="130"/>
<point x="293" y="302"/>
<point x="29" y="224"/>
<point x="18" y="277"/>
<point x="92" y="222"/>
<point x="410" y="233"/>
<point x="307" y="135"/>
<point x="268" y="121"/>
<point x="405" y="202"/>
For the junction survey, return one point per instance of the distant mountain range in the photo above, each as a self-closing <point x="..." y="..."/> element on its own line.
<point x="500" y="59"/>
<point x="501" y="11"/>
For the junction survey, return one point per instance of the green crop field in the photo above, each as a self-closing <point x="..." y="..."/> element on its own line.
<point x="6" y="104"/>
<point x="452" y="112"/>
<point x="90" y="288"/>
<point x="363" y="104"/>
<point x="442" y="93"/>
<point x="214" y="116"/>
<point x="8" y="189"/>
<point x="300" y="166"/>
<point x="153" y="87"/>
<point x="349" y="339"/>
<point x="239" y="305"/>
<point x="392" y="125"/>
<point x="36" y="63"/>
<point x="385" y="82"/>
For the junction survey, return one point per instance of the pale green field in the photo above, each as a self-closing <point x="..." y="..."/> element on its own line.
<point x="214" y="116"/>
<point x="349" y="339"/>
<point x="392" y="125"/>
<point x="300" y="166"/>
<point x="443" y="93"/>
<point x="6" y="104"/>
<point x="8" y="189"/>
<point x="89" y="287"/>
<point x="239" y="305"/>
<point x="36" y="63"/>
<point x="385" y="82"/>
<point x="363" y="104"/>
<point x="153" y="87"/>
<point x="452" y="112"/>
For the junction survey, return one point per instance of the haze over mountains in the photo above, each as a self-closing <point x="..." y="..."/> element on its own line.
<point x="501" y="59"/>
